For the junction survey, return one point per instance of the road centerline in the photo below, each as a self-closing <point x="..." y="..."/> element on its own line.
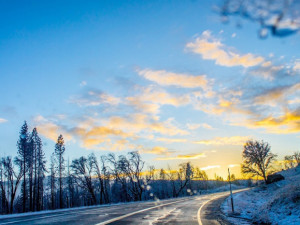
<point x="136" y="212"/>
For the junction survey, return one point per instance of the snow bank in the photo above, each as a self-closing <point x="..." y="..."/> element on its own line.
<point x="277" y="203"/>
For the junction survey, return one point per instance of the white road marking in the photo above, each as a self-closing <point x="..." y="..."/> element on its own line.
<point x="136" y="212"/>
<point x="198" y="213"/>
<point x="58" y="215"/>
<point x="199" y="210"/>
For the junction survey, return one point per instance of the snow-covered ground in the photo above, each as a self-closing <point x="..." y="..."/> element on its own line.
<point x="277" y="203"/>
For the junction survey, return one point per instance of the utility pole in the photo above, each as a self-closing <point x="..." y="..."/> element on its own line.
<point x="230" y="191"/>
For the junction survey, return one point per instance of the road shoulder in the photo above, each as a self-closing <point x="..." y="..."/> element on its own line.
<point x="211" y="213"/>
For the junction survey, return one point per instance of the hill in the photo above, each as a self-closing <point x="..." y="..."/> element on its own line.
<point x="276" y="203"/>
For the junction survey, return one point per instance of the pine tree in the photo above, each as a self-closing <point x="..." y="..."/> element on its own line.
<point x="59" y="151"/>
<point x="40" y="169"/>
<point x="31" y="161"/>
<point x="23" y="157"/>
<point x="52" y="182"/>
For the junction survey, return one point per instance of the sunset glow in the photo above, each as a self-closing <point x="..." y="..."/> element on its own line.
<point x="168" y="80"/>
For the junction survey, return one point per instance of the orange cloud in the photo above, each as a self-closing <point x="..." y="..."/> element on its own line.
<point x="210" y="48"/>
<point x="157" y="150"/>
<point x="90" y="143"/>
<point x="104" y="131"/>
<point x="287" y="123"/>
<point x="140" y="123"/>
<point x="50" y="130"/>
<point x="276" y="95"/>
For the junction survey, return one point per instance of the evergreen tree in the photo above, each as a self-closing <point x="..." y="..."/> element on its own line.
<point x="59" y="151"/>
<point x="52" y="182"/>
<point x="40" y="169"/>
<point x="23" y="157"/>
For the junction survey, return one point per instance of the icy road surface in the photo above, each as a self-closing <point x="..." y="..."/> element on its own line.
<point x="175" y="211"/>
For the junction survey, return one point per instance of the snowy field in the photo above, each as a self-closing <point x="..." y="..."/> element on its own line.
<point x="277" y="203"/>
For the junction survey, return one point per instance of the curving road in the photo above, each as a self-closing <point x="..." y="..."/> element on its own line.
<point x="190" y="210"/>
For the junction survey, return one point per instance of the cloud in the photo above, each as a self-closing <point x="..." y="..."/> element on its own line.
<point x="104" y="131"/>
<point x="284" y="122"/>
<point x="90" y="143"/>
<point x="268" y="71"/>
<point x="289" y="122"/>
<point x="119" y="133"/>
<point x="171" y="140"/>
<point x="107" y="144"/>
<point x="211" y="48"/>
<point x="157" y="150"/>
<point x="234" y="165"/>
<point x="210" y="167"/>
<point x="184" y="157"/>
<point x="150" y="100"/>
<point x="95" y="98"/>
<point x="165" y="78"/>
<point x="278" y="94"/>
<point x="50" y="129"/>
<point x="143" y="123"/>
<point x="141" y="106"/>
<point x="3" y="120"/>
<point x="194" y="126"/>
<point x="83" y="83"/>
<point x="296" y="66"/>
<point x="234" y="140"/>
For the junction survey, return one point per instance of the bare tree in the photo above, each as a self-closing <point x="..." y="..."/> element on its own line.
<point x="116" y="168"/>
<point x="96" y="167"/>
<point x="296" y="156"/>
<point x="257" y="158"/>
<point x="71" y="189"/>
<point x="184" y="176"/>
<point x="82" y="171"/>
<point x="134" y="169"/>
<point x="288" y="161"/>
<point x="106" y="178"/>
<point x="13" y="178"/>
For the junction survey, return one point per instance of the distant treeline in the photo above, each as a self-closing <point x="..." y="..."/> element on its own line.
<point x="26" y="185"/>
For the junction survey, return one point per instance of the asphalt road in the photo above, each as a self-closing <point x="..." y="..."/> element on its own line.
<point x="191" y="210"/>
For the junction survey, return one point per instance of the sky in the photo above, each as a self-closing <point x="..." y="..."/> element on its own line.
<point x="165" y="78"/>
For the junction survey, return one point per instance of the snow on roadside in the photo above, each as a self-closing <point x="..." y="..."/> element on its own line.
<point x="277" y="203"/>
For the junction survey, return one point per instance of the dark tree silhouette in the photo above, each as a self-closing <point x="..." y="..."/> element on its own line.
<point x="296" y="156"/>
<point x="257" y="159"/>
<point x="23" y="156"/>
<point x="13" y="178"/>
<point x="82" y="171"/>
<point x="52" y="182"/>
<point x="60" y="166"/>
<point x="39" y="171"/>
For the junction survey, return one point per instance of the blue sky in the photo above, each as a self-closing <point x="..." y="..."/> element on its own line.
<point x="166" y="78"/>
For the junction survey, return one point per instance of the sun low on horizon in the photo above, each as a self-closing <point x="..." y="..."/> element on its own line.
<point x="168" y="79"/>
